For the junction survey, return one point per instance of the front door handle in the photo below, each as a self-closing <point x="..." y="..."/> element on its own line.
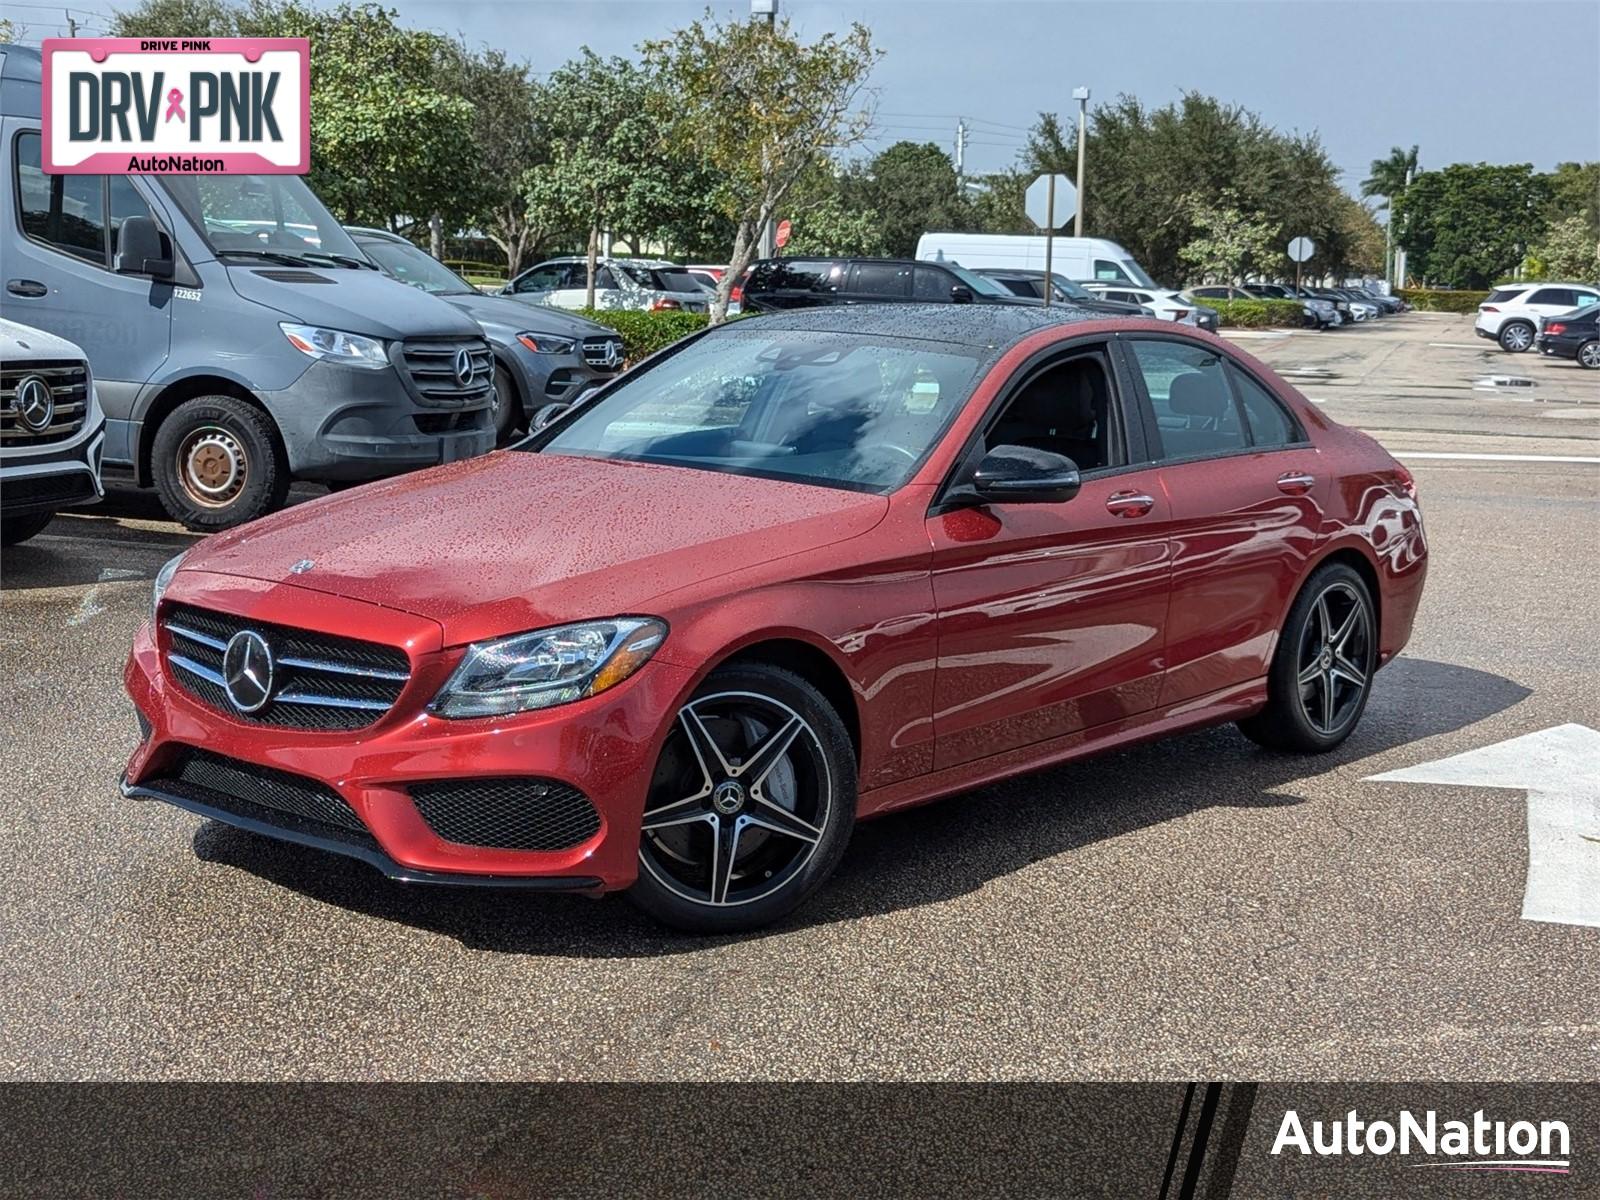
<point x="1296" y="483"/>
<point x="26" y="287"/>
<point x="1129" y="504"/>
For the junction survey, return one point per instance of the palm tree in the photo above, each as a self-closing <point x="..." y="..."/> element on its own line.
<point x="1388" y="179"/>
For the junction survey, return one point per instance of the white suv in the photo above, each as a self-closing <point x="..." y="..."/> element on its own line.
<point x="1512" y="313"/>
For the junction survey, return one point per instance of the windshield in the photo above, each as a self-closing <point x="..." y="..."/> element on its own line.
<point x="1069" y="289"/>
<point x="267" y="216"/>
<point x="984" y="287"/>
<point x="1136" y="273"/>
<point x="409" y="264"/>
<point x="824" y="408"/>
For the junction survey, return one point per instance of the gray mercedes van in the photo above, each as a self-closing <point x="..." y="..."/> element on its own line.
<point x="238" y="337"/>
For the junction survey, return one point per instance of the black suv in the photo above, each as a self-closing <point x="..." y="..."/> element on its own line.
<point x="776" y="283"/>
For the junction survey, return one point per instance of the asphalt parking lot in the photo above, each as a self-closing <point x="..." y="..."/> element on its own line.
<point x="1191" y="908"/>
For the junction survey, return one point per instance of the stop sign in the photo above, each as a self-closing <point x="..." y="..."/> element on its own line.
<point x="782" y="238"/>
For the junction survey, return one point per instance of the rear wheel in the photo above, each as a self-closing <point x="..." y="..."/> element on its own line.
<point x="14" y="530"/>
<point x="1589" y="355"/>
<point x="1321" y="674"/>
<point x="217" y="464"/>
<point x="1516" y="336"/>
<point x="751" y="804"/>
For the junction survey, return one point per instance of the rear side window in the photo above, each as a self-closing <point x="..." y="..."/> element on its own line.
<point x="933" y="284"/>
<point x="65" y="212"/>
<point x="1188" y="389"/>
<point x="889" y="280"/>
<point x="1270" y="423"/>
<point x="794" y="275"/>
<point x="1504" y="295"/>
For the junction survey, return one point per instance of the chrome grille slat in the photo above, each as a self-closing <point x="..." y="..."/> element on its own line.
<point x="194" y="668"/>
<point x="69" y="389"/>
<point x="336" y="668"/>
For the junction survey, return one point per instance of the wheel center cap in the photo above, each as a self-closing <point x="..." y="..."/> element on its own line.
<point x="728" y="797"/>
<point x="1327" y="658"/>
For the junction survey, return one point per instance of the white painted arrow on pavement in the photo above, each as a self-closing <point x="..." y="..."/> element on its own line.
<point x="1560" y="769"/>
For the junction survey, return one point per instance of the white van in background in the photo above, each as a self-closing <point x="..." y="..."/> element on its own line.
<point x="1085" y="260"/>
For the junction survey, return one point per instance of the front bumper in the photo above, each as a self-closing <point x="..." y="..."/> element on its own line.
<point x="550" y="378"/>
<point x="53" y="477"/>
<point x="605" y="747"/>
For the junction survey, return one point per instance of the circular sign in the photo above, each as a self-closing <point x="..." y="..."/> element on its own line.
<point x="782" y="236"/>
<point x="1301" y="249"/>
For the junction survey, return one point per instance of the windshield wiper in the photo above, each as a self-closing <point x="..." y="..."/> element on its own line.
<point x="277" y="256"/>
<point x="339" y="260"/>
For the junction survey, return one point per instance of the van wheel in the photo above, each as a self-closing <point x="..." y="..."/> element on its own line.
<point x="15" y="530"/>
<point x="507" y="410"/>
<point x="217" y="464"/>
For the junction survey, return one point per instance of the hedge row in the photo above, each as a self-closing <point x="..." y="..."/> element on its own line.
<point x="643" y="333"/>
<point x="1440" y="300"/>
<point x="1256" y="314"/>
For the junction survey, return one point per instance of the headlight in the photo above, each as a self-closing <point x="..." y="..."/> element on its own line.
<point x="543" y="343"/>
<point x="336" y="345"/>
<point x="163" y="578"/>
<point x="548" y="667"/>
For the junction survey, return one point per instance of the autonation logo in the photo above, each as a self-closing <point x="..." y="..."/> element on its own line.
<point x="1479" y="1144"/>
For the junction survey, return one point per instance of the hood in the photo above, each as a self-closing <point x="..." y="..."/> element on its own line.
<point x="514" y="317"/>
<point x="516" y="541"/>
<point x="21" y="343"/>
<point x="366" y="302"/>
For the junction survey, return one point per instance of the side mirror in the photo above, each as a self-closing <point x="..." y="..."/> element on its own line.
<point x="1023" y="475"/>
<point x="545" y="415"/>
<point x="961" y="294"/>
<point x="142" y="249"/>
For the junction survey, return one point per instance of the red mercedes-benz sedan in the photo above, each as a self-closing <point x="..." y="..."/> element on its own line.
<point x="791" y="573"/>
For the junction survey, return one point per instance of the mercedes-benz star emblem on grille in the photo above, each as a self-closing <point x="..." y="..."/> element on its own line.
<point x="613" y="354"/>
<point x="247" y="670"/>
<point x="36" y="406"/>
<point x="463" y="367"/>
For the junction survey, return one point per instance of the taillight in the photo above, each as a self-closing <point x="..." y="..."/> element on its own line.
<point x="737" y="295"/>
<point x="663" y="304"/>
<point x="1487" y="308"/>
<point x="1558" y="327"/>
<point x="1407" y="481"/>
<point x="1179" y="314"/>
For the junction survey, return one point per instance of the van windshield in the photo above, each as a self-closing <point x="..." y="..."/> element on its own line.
<point x="262" y="216"/>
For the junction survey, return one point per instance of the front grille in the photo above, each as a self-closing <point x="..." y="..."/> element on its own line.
<point x="261" y="793"/>
<point x="507" y="814"/>
<point x="430" y="365"/>
<point x="319" y="681"/>
<point x="68" y="381"/>
<point x="47" y="491"/>
<point x="602" y="353"/>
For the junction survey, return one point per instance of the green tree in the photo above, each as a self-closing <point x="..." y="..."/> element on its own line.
<point x="1229" y="243"/>
<point x="759" y="108"/>
<point x="1568" y="251"/>
<point x="1575" y="191"/>
<point x="1469" y="225"/>
<point x="1387" y="176"/>
<point x="912" y="188"/>
<point x="178" y="18"/>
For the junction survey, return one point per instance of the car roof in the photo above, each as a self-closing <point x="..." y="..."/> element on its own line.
<point x="958" y="324"/>
<point x="364" y="231"/>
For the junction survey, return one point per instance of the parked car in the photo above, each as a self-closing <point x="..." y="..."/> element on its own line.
<point x="1360" y="299"/>
<point x="1389" y="304"/>
<point x="638" y="284"/>
<point x="1030" y="286"/>
<point x="710" y="277"/>
<point x="1165" y="303"/>
<point x="774" y="283"/>
<point x="1572" y="335"/>
<point x="1340" y="309"/>
<point x="1082" y="259"/>
<point x="541" y="355"/>
<point x="232" y="351"/>
<point x="51" y="430"/>
<point x="1510" y="315"/>
<point x="1349" y="311"/>
<point x="966" y="541"/>
<point x="1319" y="313"/>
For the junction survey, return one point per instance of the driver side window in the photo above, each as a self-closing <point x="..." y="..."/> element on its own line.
<point x="1066" y="408"/>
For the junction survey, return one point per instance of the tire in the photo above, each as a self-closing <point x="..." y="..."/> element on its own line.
<point x="1589" y="355"/>
<point x="508" y="416"/>
<point x="16" y="530"/>
<point x="217" y="464"/>
<point x="787" y="831"/>
<point x="1319" y="655"/>
<point x="1515" y="337"/>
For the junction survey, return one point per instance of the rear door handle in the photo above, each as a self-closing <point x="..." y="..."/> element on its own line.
<point x="1296" y="483"/>
<point x="1129" y="504"/>
<point x="25" y="287"/>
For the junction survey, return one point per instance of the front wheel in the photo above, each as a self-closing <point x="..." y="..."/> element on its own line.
<point x="15" y="530"/>
<point x="217" y="464"/>
<point x="1589" y="355"/>
<point x="751" y="805"/>
<point x="1516" y="336"/>
<point x="1321" y="674"/>
<point x="506" y="408"/>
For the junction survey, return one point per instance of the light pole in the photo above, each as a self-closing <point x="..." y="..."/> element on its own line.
<point x="766" y="10"/>
<point x="1081" y="95"/>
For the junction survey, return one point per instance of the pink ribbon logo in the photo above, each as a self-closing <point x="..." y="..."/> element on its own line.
<point x="175" y="105"/>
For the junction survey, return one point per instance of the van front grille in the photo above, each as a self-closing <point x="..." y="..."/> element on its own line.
<point x="449" y="372"/>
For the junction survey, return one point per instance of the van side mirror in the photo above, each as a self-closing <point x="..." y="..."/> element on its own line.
<point x="960" y="294"/>
<point x="1023" y="475"/>
<point x="142" y="249"/>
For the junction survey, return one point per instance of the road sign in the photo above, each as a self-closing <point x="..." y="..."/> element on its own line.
<point x="784" y="230"/>
<point x="1301" y="249"/>
<point x="1556" y="768"/>
<point x="1037" y="202"/>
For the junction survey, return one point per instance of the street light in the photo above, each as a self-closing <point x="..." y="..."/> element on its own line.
<point x="765" y="9"/>
<point x="1081" y="95"/>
